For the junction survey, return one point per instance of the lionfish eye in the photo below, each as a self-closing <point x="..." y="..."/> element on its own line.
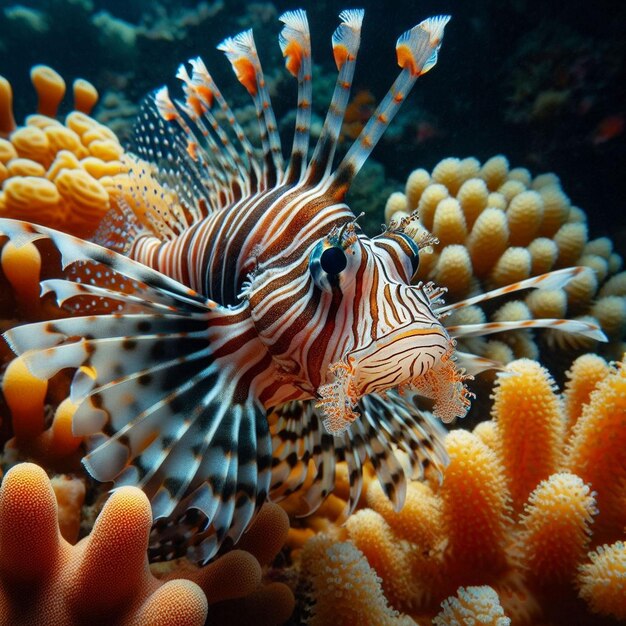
<point x="415" y="260"/>
<point x="333" y="260"/>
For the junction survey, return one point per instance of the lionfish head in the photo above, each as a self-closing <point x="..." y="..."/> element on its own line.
<point x="387" y="333"/>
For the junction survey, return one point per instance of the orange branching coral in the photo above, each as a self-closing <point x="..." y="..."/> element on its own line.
<point x="472" y="605"/>
<point x="63" y="175"/>
<point x="466" y="530"/>
<point x="497" y="225"/>
<point x="603" y="580"/>
<point x="105" y="578"/>
<point x="555" y="528"/>
<point x="583" y="377"/>
<point x="597" y="450"/>
<point x="343" y="588"/>
<point x="530" y="426"/>
<point x="475" y="507"/>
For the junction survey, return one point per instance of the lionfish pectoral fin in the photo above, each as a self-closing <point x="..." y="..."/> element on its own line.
<point x="401" y="441"/>
<point x="161" y="395"/>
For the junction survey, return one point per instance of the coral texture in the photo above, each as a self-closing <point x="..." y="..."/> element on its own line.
<point x="63" y="175"/>
<point x="496" y="225"/>
<point x="516" y="511"/>
<point x="105" y="578"/>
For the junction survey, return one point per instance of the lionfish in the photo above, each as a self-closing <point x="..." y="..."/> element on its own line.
<point x="238" y="335"/>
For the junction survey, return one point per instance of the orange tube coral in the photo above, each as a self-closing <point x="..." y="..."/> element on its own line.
<point x="50" y="88"/>
<point x="7" y="121"/>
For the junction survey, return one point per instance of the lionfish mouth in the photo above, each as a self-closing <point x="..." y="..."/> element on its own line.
<point x="409" y="358"/>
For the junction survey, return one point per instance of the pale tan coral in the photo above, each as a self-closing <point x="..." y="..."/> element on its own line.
<point x="610" y="311"/>
<point x="488" y="240"/>
<point x="417" y="181"/>
<point x="556" y="528"/>
<point x="472" y="605"/>
<point x="449" y="223"/>
<point x="454" y="269"/>
<point x="530" y="427"/>
<point x="519" y="227"/>
<point x="494" y="171"/>
<point x="524" y="215"/>
<point x="513" y="266"/>
<point x="603" y="580"/>
<point x="570" y="239"/>
<point x="448" y="172"/>
<point x="547" y="303"/>
<point x="430" y="198"/>
<point x="510" y="189"/>
<point x="543" y="254"/>
<point x="473" y="196"/>
<point x="556" y="207"/>
<point x="615" y="286"/>
<point x="396" y="202"/>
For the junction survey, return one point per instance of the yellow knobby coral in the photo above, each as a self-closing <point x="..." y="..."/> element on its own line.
<point x="59" y="175"/>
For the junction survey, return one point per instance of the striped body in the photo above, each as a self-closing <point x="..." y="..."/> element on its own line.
<point x="235" y="336"/>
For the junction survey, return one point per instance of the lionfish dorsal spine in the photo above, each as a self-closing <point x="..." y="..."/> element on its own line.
<point x="226" y="163"/>
<point x="208" y="92"/>
<point x="184" y="147"/>
<point x="295" y="44"/>
<point x="241" y="51"/>
<point x="416" y="51"/>
<point x="345" y="41"/>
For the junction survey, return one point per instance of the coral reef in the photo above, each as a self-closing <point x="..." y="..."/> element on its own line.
<point x="496" y="225"/>
<point x="105" y="577"/>
<point x="522" y="502"/>
<point x="63" y="175"/>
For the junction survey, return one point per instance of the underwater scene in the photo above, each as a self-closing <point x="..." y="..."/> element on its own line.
<point x="312" y="313"/>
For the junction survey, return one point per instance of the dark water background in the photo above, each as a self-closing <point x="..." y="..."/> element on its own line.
<point x="498" y="60"/>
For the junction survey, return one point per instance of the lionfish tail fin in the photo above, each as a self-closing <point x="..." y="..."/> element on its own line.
<point x="241" y="51"/>
<point x="346" y="41"/>
<point x="295" y="44"/>
<point x="160" y="408"/>
<point x="417" y="50"/>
